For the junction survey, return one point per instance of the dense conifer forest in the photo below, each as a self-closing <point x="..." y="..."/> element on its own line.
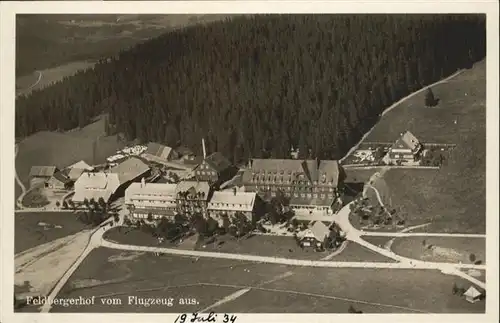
<point x="255" y="86"/>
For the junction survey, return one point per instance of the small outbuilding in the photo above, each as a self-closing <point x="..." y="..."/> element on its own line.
<point x="315" y="235"/>
<point x="58" y="181"/>
<point x="472" y="295"/>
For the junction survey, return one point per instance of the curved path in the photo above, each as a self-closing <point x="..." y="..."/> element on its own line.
<point x="29" y="88"/>
<point x="95" y="241"/>
<point x="353" y="234"/>
<point x="18" y="181"/>
<point x="355" y="147"/>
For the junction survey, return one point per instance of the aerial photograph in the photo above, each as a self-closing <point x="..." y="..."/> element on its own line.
<point x="250" y="163"/>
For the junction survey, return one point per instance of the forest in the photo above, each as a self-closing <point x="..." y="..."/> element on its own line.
<point x="256" y="86"/>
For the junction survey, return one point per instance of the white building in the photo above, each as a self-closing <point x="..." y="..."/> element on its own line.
<point x="94" y="186"/>
<point x="228" y="203"/>
<point x="157" y="199"/>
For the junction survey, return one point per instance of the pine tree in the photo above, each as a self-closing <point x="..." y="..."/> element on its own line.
<point x="430" y="100"/>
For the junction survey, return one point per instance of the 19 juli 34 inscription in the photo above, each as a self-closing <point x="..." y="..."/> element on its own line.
<point x="140" y="302"/>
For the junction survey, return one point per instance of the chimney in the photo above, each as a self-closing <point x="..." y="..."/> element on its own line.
<point x="234" y="191"/>
<point x="204" y="148"/>
<point x="143" y="182"/>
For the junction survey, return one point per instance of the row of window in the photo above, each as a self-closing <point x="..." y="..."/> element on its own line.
<point x="308" y="195"/>
<point x="152" y="201"/>
<point x="227" y="205"/>
<point x="172" y="206"/>
<point x="282" y="179"/>
<point x="295" y="188"/>
<point x="209" y="173"/>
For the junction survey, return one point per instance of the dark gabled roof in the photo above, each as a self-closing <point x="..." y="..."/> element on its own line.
<point x="42" y="171"/>
<point x="218" y="162"/>
<point x="130" y="169"/>
<point x="61" y="177"/>
<point x="158" y="150"/>
<point x="407" y="140"/>
<point x="184" y="151"/>
<point x="322" y="171"/>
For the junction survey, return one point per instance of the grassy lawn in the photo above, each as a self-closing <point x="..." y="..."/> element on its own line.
<point x="448" y="249"/>
<point x="453" y="197"/>
<point x="35" y="198"/>
<point x="423" y="290"/>
<point x="354" y="175"/>
<point x="267" y="301"/>
<point x="29" y="231"/>
<point x="108" y="272"/>
<point x="264" y="245"/>
<point x="125" y="235"/>
<point x="378" y="241"/>
<point x="356" y="252"/>
<point x="113" y="272"/>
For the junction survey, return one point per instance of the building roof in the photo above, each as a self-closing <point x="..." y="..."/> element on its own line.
<point x="218" y="162"/>
<point x="129" y="169"/>
<point x="59" y="176"/>
<point x="158" y="150"/>
<point x="42" y="171"/>
<point x="320" y="171"/>
<point x="75" y="173"/>
<point x="150" y="191"/>
<point x="193" y="187"/>
<point x="472" y="292"/>
<point x="407" y="140"/>
<point x="81" y="165"/>
<point x="240" y="201"/>
<point x="95" y="185"/>
<point x="319" y="230"/>
<point x="184" y="151"/>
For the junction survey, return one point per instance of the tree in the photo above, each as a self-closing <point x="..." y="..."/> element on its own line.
<point x="102" y="203"/>
<point x="65" y="204"/>
<point x="180" y="219"/>
<point x="201" y="225"/>
<point x="150" y="217"/>
<point x="212" y="226"/>
<point x="430" y="100"/>
<point x="58" y="204"/>
<point x="86" y="203"/>
<point x="225" y="223"/>
<point x="352" y="310"/>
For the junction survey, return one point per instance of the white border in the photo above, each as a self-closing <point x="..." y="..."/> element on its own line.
<point x="7" y="90"/>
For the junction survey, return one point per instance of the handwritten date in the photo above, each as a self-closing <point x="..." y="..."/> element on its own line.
<point x="206" y="318"/>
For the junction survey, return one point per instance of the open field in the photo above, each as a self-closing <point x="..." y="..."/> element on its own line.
<point x="43" y="78"/>
<point x="264" y="245"/>
<point x="150" y="276"/>
<point x="33" y="229"/>
<point x="71" y="42"/>
<point x="444" y="249"/>
<point x="354" y="175"/>
<point x="133" y="236"/>
<point x="453" y="197"/>
<point x="356" y="252"/>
